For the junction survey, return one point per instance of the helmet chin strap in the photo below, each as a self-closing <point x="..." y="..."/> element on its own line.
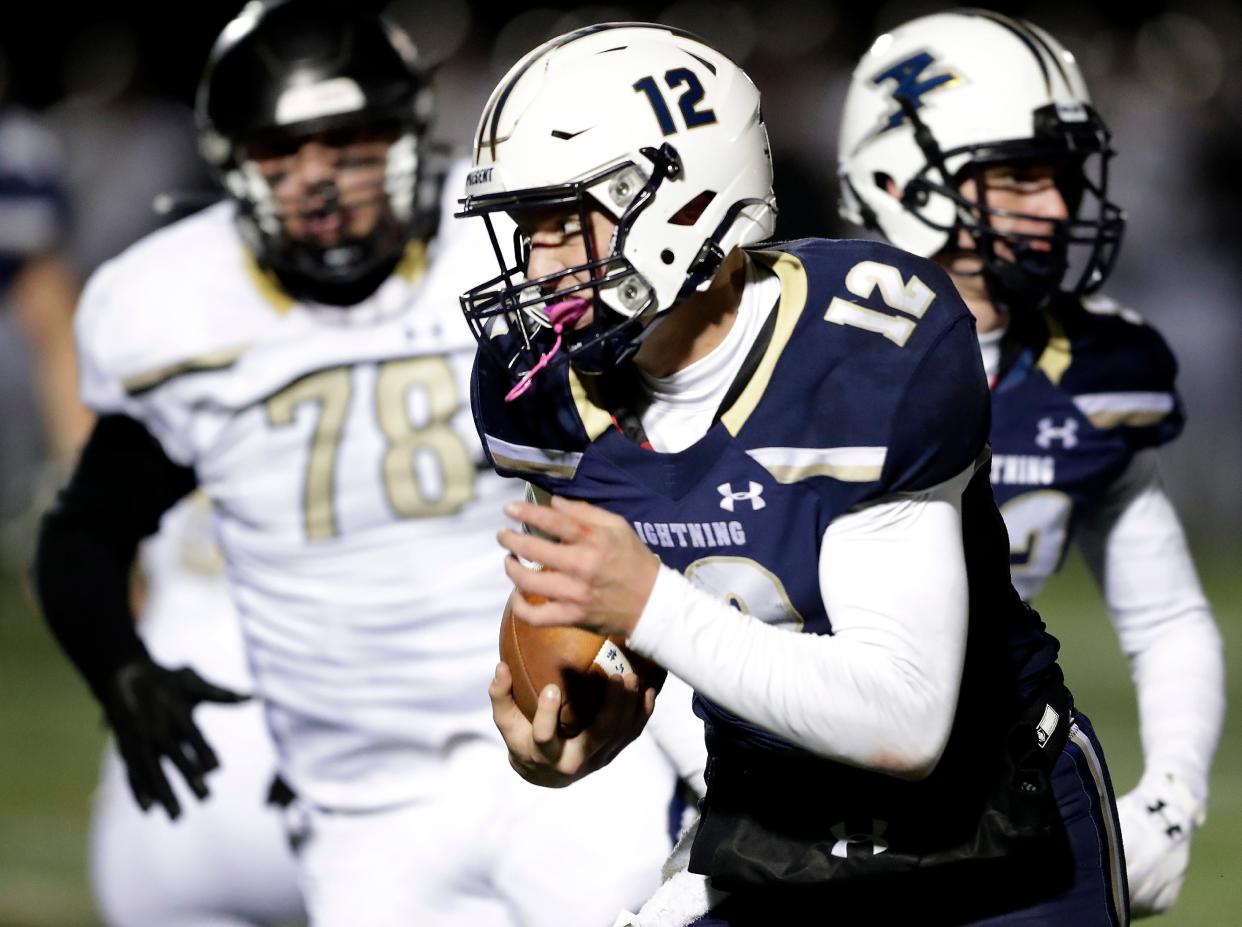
<point x="566" y="312"/>
<point x="1027" y="281"/>
<point x="361" y="265"/>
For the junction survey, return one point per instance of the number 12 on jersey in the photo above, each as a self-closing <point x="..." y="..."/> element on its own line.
<point x="863" y="280"/>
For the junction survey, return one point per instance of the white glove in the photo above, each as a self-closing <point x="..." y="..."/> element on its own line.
<point x="1158" y="818"/>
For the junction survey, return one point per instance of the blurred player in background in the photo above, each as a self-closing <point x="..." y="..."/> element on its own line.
<point x="969" y="137"/>
<point x="226" y="861"/>
<point x="800" y="435"/>
<point x="297" y="354"/>
<point x="44" y="423"/>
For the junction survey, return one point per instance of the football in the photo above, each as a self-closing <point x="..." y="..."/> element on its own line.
<point x="576" y="660"/>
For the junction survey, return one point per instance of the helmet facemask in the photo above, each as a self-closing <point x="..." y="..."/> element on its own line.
<point x="1077" y="255"/>
<point x="519" y="320"/>
<point x="343" y="268"/>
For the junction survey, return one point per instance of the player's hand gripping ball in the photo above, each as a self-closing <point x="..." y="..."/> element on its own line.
<point x="577" y="661"/>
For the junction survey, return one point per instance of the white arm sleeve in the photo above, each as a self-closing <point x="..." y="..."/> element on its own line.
<point x="1134" y="545"/>
<point x="880" y="692"/>
<point x="678" y="732"/>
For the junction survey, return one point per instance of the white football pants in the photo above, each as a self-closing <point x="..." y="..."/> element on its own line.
<point x="494" y="851"/>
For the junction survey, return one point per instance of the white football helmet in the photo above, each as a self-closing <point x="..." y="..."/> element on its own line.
<point x="648" y="123"/>
<point x="942" y="96"/>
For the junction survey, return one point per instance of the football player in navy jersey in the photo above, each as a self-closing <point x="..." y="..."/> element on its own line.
<point x="767" y="469"/>
<point x="970" y="137"/>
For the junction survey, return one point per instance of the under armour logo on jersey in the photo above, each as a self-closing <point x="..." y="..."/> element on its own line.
<point x="1067" y="433"/>
<point x="753" y="495"/>
<point x="870" y="841"/>
<point x="911" y="84"/>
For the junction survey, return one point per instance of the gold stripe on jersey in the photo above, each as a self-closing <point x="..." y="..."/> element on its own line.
<point x="793" y="299"/>
<point x="268" y="286"/>
<point x="846" y="464"/>
<point x="595" y="419"/>
<point x="1132" y="409"/>
<point x="412" y="266"/>
<point x="413" y="263"/>
<point x="841" y="474"/>
<point x="139" y="383"/>
<point x="1056" y="356"/>
<point x="1106" y="420"/>
<point x="561" y="471"/>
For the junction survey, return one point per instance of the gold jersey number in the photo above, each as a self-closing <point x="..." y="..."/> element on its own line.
<point x="426" y="467"/>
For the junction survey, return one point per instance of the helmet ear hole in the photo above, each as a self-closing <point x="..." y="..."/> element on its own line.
<point x="886" y="183"/>
<point x="689" y="214"/>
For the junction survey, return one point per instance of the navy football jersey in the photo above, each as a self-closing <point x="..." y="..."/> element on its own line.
<point x="1082" y="388"/>
<point x="870" y="384"/>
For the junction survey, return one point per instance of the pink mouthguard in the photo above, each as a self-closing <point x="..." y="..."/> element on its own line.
<point x="566" y="312"/>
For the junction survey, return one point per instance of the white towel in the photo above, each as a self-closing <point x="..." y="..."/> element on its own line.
<point x="683" y="896"/>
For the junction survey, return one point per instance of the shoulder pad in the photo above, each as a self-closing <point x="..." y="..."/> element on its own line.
<point x="173" y="297"/>
<point x="541" y="435"/>
<point x="881" y="365"/>
<point x="1118" y="370"/>
<point x="1112" y="348"/>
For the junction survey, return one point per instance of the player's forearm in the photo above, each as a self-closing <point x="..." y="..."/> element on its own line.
<point x="1180" y="680"/>
<point x="881" y="691"/>
<point x="839" y="698"/>
<point x="81" y="579"/>
<point x="88" y="539"/>
<point x="1137" y="550"/>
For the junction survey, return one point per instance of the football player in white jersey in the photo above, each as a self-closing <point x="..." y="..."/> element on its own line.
<point x="297" y="354"/>
<point x="970" y="137"/>
<point x="225" y="862"/>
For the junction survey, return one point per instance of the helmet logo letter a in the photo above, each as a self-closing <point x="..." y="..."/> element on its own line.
<point x="907" y="74"/>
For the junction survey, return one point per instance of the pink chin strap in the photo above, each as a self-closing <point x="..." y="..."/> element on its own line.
<point x="566" y="312"/>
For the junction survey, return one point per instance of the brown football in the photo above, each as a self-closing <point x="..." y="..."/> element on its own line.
<point x="576" y="660"/>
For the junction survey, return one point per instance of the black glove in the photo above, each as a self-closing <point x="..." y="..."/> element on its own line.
<point x="150" y="709"/>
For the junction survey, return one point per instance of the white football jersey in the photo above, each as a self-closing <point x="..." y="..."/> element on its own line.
<point x="352" y="502"/>
<point x="187" y="615"/>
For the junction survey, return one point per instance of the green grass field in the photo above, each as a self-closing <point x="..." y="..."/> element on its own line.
<point x="50" y="738"/>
